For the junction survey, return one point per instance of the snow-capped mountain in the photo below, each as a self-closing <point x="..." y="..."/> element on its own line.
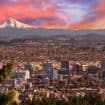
<point x="12" y="29"/>
<point x="14" y="24"/>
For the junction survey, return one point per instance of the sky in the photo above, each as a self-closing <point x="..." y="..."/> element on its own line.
<point x="67" y="14"/>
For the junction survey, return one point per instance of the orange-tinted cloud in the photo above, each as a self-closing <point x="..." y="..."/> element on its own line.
<point x="68" y="14"/>
<point x="21" y="11"/>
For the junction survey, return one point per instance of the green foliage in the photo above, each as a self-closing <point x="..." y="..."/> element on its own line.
<point x="7" y="99"/>
<point x="5" y="71"/>
<point x="88" y="99"/>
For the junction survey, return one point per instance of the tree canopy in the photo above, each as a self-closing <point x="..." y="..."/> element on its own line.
<point x="6" y="71"/>
<point x="88" y="99"/>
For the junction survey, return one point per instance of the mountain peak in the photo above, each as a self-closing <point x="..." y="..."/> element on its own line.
<point x="10" y="22"/>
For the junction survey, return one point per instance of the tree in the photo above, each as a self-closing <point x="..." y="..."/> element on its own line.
<point x="88" y="99"/>
<point x="6" y="71"/>
<point x="8" y="98"/>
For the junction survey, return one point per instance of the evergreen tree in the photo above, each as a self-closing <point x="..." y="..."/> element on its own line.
<point x="6" y="71"/>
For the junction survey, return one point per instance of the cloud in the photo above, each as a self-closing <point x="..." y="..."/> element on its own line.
<point x="21" y="11"/>
<point x="72" y="14"/>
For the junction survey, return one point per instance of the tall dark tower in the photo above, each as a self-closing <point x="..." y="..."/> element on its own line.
<point x="48" y="68"/>
<point x="77" y="69"/>
<point x="65" y="67"/>
<point x="103" y="68"/>
<point x="65" y="64"/>
<point x="102" y="72"/>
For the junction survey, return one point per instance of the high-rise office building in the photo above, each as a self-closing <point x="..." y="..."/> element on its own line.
<point x="65" y="64"/>
<point x="91" y="69"/>
<point x="48" y="69"/>
<point x="77" y="69"/>
<point x="64" y="73"/>
<point x="102" y="74"/>
<point x="64" y="68"/>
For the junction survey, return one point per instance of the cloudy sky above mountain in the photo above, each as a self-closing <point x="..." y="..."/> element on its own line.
<point x="69" y="14"/>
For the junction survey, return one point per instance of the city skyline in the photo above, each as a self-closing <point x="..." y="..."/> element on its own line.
<point x="67" y="14"/>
